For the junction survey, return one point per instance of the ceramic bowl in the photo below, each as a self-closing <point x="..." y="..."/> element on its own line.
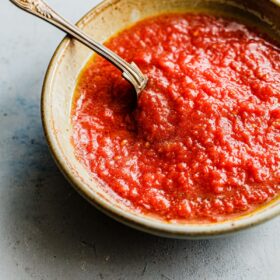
<point x="70" y="57"/>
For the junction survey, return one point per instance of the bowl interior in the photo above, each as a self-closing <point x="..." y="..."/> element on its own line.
<point x="101" y="23"/>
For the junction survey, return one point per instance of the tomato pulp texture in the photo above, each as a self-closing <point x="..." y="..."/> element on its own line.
<point x="203" y="144"/>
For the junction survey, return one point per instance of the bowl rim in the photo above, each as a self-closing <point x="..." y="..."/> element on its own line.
<point x="142" y="223"/>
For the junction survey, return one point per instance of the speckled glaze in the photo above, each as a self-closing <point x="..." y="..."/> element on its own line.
<point x="70" y="57"/>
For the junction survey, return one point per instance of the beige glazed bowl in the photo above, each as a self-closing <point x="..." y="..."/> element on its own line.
<point x="101" y="23"/>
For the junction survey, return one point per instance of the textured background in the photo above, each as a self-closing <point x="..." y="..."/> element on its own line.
<point x="47" y="231"/>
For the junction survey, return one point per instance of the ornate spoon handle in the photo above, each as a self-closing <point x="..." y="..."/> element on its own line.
<point x="40" y="9"/>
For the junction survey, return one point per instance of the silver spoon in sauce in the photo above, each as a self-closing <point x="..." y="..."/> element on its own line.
<point x="131" y="72"/>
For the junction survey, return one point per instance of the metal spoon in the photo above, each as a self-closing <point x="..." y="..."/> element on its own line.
<point x="131" y="72"/>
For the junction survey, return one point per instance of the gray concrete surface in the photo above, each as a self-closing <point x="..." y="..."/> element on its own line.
<point x="47" y="231"/>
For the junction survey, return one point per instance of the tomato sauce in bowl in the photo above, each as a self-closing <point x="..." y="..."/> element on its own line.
<point x="203" y="144"/>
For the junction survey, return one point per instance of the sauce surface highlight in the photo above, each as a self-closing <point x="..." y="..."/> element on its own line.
<point x="203" y="144"/>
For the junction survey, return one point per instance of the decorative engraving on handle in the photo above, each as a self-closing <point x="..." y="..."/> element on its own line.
<point x="36" y="7"/>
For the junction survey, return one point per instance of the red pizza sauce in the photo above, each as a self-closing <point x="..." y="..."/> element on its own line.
<point x="203" y="144"/>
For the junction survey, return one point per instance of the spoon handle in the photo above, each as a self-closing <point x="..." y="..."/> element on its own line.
<point x="40" y="9"/>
